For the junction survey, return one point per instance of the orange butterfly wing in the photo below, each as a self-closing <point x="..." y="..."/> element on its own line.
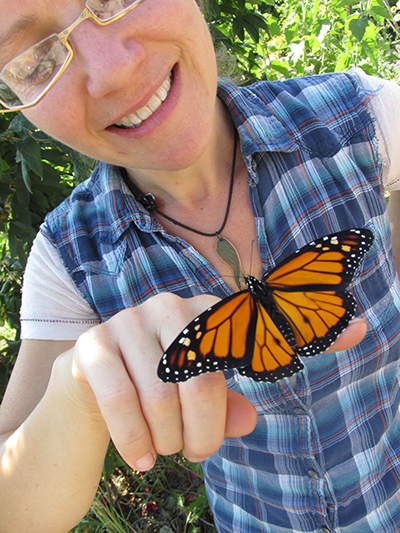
<point x="234" y="333"/>
<point x="217" y="339"/>
<point x="330" y="261"/>
<point x="316" y="318"/>
<point x="309" y="288"/>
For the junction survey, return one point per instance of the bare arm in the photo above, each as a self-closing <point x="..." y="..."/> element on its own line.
<point x="394" y="215"/>
<point x="55" y="442"/>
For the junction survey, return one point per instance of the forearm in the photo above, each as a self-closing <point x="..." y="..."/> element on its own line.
<point x="51" y="466"/>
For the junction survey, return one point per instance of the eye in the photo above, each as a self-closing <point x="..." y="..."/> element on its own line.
<point x="35" y="66"/>
<point x="106" y="9"/>
<point x="43" y="71"/>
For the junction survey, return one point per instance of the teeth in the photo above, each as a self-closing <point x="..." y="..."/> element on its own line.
<point x="135" y="119"/>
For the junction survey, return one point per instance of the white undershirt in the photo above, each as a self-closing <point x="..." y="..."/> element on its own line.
<point x="55" y="310"/>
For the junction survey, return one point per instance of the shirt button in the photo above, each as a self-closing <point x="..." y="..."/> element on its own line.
<point x="312" y="473"/>
<point x="325" y="530"/>
<point x="298" y="411"/>
<point x="254" y="165"/>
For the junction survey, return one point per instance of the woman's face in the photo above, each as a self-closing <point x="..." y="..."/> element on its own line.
<point x="161" y="51"/>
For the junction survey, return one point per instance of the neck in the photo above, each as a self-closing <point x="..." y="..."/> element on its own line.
<point x="206" y="178"/>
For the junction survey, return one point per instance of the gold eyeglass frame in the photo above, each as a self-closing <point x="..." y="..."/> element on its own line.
<point x="87" y="14"/>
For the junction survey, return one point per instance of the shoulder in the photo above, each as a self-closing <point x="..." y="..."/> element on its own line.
<point x="384" y="106"/>
<point x="318" y="113"/>
<point x="52" y="307"/>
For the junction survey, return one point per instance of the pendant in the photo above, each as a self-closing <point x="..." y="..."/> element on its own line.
<point x="228" y="254"/>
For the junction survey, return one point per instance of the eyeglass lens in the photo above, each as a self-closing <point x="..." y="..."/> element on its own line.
<point x="27" y="77"/>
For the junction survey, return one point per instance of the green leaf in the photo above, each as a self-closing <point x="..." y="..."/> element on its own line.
<point x="347" y="3"/>
<point x="16" y="125"/>
<point x="281" y="67"/>
<point x="358" y="26"/>
<point x="369" y="52"/>
<point x="257" y="20"/>
<point x="316" y="8"/>
<point x="21" y="124"/>
<point x="274" y="29"/>
<point x="291" y="32"/>
<point x="237" y="28"/>
<point x="39" y="200"/>
<point x="381" y="11"/>
<point x="20" y="205"/>
<point x="30" y="152"/>
<point x="25" y="175"/>
<point x="252" y="30"/>
<point x="342" y="62"/>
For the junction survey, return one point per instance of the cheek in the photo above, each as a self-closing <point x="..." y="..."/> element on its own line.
<point x="59" y="115"/>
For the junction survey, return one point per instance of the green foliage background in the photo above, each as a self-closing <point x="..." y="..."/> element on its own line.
<point x="266" y="39"/>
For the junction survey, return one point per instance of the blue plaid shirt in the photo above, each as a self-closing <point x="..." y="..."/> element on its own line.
<point x="325" y="455"/>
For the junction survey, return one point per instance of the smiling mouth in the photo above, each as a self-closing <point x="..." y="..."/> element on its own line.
<point x="134" y="120"/>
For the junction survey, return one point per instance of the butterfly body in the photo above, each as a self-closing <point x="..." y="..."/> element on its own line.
<point x="298" y="309"/>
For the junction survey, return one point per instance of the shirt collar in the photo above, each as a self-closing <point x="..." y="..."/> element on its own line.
<point x="117" y="205"/>
<point x="259" y="128"/>
<point x="268" y="119"/>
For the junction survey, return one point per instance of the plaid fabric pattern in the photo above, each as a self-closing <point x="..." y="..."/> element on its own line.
<point x="324" y="456"/>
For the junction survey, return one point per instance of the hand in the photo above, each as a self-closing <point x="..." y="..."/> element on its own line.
<point x="117" y="361"/>
<point x="116" y="366"/>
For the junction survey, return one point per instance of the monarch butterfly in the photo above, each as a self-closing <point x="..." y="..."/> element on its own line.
<point x="298" y="309"/>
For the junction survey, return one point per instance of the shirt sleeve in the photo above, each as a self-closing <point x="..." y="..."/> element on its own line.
<point x="52" y="307"/>
<point x="385" y="110"/>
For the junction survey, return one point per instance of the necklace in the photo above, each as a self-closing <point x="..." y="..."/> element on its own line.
<point x="149" y="202"/>
<point x="224" y="248"/>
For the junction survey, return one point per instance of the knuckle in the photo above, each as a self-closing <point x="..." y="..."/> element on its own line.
<point x="117" y="400"/>
<point x="169" y="448"/>
<point x="133" y="441"/>
<point x="161" y="398"/>
<point x="205" y="389"/>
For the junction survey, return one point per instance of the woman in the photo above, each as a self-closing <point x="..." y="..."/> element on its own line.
<point x="118" y="282"/>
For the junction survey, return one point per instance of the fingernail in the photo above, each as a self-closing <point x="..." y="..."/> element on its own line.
<point x="194" y="459"/>
<point x="145" y="463"/>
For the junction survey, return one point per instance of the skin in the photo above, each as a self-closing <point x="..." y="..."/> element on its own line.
<point x="66" y="400"/>
<point x="394" y="215"/>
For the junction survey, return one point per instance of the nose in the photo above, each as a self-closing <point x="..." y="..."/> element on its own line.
<point x="108" y="56"/>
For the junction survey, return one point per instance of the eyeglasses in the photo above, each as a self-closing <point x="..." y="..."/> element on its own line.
<point x="28" y="77"/>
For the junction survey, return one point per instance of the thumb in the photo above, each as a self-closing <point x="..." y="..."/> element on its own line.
<point x="241" y="416"/>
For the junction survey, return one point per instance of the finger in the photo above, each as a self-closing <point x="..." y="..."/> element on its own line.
<point x="204" y="410"/>
<point x="161" y="407"/>
<point x="98" y="357"/>
<point x="352" y="335"/>
<point x="241" y="416"/>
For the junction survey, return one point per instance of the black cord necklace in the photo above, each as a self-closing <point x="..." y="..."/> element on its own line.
<point x="149" y="202"/>
<point x="224" y="248"/>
